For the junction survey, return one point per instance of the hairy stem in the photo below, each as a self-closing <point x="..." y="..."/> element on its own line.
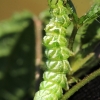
<point x="81" y="84"/>
<point x="72" y="38"/>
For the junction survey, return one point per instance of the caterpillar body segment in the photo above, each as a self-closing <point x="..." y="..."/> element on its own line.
<point x="57" y="54"/>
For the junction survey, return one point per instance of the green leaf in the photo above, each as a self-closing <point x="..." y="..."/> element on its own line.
<point x="10" y="31"/>
<point x="87" y="38"/>
<point x="17" y="67"/>
<point x="91" y="15"/>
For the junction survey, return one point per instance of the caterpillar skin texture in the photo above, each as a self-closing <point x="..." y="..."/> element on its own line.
<point x="57" y="54"/>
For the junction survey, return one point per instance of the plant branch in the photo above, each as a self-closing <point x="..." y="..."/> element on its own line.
<point x="72" y="38"/>
<point x="74" y="18"/>
<point x="81" y="84"/>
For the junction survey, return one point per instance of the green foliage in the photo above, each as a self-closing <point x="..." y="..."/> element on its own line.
<point x="64" y="33"/>
<point x="10" y="31"/>
<point x="16" y="56"/>
<point x="87" y="39"/>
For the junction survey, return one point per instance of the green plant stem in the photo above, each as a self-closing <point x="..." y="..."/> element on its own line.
<point x="81" y="84"/>
<point x="72" y="38"/>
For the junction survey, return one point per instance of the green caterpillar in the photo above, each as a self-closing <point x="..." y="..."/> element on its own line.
<point x="57" y="54"/>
